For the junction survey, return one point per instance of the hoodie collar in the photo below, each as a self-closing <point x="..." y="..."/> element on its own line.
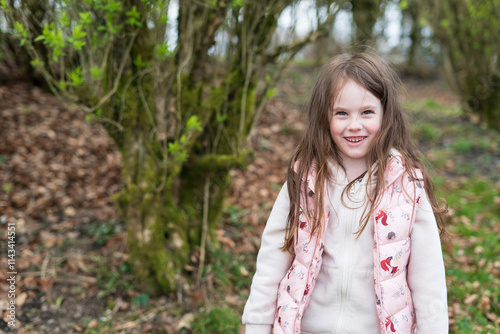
<point x="395" y="167"/>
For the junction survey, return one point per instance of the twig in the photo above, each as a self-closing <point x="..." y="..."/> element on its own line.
<point x="44" y="265"/>
<point x="67" y="278"/>
<point x="204" y="230"/>
<point x="143" y="318"/>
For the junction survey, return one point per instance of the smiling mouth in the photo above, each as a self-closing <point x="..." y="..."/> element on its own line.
<point x="354" y="139"/>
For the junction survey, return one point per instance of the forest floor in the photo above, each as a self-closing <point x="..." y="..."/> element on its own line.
<point x="58" y="173"/>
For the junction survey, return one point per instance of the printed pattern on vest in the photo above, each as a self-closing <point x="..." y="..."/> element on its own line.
<point x="393" y="221"/>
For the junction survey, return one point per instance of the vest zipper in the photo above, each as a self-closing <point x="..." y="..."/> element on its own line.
<point x="346" y="272"/>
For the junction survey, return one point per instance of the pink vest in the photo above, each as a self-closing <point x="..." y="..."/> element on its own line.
<point x="393" y="219"/>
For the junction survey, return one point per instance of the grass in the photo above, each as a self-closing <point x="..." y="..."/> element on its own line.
<point x="110" y="280"/>
<point x="103" y="230"/>
<point x="462" y="159"/>
<point x="472" y="265"/>
<point x="220" y="319"/>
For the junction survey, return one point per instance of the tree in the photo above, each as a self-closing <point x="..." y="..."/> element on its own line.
<point x="11" y="54"/>
<point x="467" y="32"/>
<point x="179" y="113"/>
<point x="365" y="14"/>
<point x="410" y="12"/>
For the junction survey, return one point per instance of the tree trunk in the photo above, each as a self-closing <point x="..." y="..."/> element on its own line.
<point x="157" y="227"/>
<point x="468" y="36"/>
<point x="365" y="14"/>
<point x="415" y="35"/>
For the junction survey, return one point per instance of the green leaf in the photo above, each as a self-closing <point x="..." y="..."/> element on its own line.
<point x="78" y="33"/>
<point x="141" y="300"/>
<point x="237" y="3"/>
<point x="76" y="39"/>
<point x="133" y="17"/>
<point x="89" y="118"/>
<point x="3" y="4"/>
<point x="193" y="123"/>
<point x="96" y="73"/>
<point x="163" y="19"/>
<point x="65" y="19"/>
<point x="113" y="6"/>
<point x="18" y="26"/>
<point x="59" y="301"/>
<point x="7" y="187"/>
<point x="220" y="118"/>
<point x="21" y="33"/>
<point x="445" y="23"/>
<point x="54" y="40"/>
<point x="76" y="77"/>
<point x="85" y="18"/>
<point x="36" y="63"/>
<point x="111" y="26"/>
<point x="183" y="156"/>
<point x="133" y="22"/>
<point x="78" y="45"/>
<point x="139" y="63"/>
<point x="63" y="84"/>
<point x="403" y="5"/>
<point x="270" y="93"/>
<point x="173" y="147"/>
<point x="162" y="51"/>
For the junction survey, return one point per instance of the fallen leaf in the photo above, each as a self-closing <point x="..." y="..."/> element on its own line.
<point x="484" y="303"/>
<point x="232" y="300"/>
<point x="21" y="299"/>
<point x="92" y="324"/>
<point x="493" y="317"/>
<point x="470" y="299"/>
<point x="185" y="322"/>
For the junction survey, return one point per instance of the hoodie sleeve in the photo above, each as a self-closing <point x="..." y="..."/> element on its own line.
<point x="272" y="265"/>
<point x="426" y="273"/>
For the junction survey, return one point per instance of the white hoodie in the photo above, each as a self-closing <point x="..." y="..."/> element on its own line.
<point x="343" y="300"/>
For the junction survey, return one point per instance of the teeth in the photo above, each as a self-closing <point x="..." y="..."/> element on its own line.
<point x="354" y="140"/>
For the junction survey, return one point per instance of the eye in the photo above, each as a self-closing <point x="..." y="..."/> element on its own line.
<point x="368" y="112"/>
<point x="340" y="113"/>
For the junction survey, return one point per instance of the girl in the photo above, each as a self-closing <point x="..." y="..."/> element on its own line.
<point x="352" y="243"/>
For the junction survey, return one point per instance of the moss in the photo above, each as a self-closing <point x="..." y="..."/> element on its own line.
<point x="157" y="239"/>
<point x="158" y="243"/>
<point x="220" y="162"/>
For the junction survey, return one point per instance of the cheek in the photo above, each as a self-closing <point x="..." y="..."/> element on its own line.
<point x="334" y="129"/>
<point x="376" y="125"/>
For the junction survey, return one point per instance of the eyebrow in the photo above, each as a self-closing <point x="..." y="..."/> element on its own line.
<point x="365" y="107"/>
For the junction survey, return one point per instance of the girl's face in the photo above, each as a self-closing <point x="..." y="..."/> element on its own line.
<point x="356" y="119"/>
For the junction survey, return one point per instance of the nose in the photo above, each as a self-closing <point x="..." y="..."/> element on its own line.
<point x="354" y="124"/>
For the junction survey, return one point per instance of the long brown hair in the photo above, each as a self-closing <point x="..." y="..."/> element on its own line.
<point x="317" y="146"/>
